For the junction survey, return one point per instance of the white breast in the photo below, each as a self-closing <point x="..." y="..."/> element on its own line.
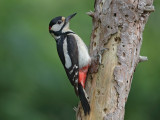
<point x="84" y="58"/>
<point x="68" y="62"/>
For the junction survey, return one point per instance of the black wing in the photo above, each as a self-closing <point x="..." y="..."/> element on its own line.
<point x="73" y="71"/>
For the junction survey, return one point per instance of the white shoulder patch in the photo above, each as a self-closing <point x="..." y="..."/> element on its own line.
<point x="68" y="62"/>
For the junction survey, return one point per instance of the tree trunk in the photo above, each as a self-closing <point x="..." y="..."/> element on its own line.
<point x="115" y="42"/>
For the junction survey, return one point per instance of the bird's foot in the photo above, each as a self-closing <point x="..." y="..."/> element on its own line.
<point x="75" y="109"/>
<point x="100" y="54"/>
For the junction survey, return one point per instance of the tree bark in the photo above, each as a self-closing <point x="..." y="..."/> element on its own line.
<point x="116" y="40"/>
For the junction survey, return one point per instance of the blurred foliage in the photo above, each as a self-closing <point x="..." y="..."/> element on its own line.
<point x="33" y="84"/>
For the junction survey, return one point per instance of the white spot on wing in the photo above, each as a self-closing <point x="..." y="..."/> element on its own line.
<point x="76" y="73"/>
<point x="68" y="62"/>
<point x="76" y="81"/>
<point x="75" y="66"/>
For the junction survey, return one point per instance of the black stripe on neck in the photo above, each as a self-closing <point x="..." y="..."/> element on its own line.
<point x="59" y="33"/>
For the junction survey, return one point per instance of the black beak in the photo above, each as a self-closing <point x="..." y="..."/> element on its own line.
<point x="69" y="17"/>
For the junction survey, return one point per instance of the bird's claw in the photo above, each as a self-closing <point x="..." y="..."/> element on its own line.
<point x="100" y="54"/>
<point x="75" y="109"/>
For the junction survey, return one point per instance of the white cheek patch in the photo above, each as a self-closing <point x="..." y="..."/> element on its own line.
<point x="68" y="62"/>
<point x="56" y="27"/>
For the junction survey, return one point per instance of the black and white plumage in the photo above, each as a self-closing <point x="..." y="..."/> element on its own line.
<point x="73" y="54"/>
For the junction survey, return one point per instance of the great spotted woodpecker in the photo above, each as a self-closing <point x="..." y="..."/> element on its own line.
<point x="74" y="56"/>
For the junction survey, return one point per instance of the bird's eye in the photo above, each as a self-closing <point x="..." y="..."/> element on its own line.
<point x="59" y="22"/>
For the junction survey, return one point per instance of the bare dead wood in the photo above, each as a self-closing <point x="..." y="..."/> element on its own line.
<point x="117" y="26"/>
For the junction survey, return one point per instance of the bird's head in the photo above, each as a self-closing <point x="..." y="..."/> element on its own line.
<point x="59" y="25"/>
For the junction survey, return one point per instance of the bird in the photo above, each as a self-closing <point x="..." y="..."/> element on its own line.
<point x="74" y="56"/>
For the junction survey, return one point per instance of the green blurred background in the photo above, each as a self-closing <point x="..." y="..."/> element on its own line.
<point x="33" y="84"/>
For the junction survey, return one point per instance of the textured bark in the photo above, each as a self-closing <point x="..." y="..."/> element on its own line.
<point x="117" y="26"/>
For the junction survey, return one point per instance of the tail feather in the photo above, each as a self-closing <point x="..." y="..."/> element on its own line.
<point x="83" y="99"/>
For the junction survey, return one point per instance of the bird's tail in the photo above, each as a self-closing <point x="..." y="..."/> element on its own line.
<point x="83" y="99"/>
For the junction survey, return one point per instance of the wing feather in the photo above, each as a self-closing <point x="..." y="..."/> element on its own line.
<point x="73" y="71"/>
